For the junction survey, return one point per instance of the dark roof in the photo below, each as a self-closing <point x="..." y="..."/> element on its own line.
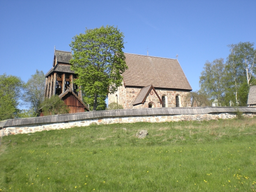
<point x="60" y="68"/>
<point x="63" y="56"/>
<point x="159" y="72"/>
<point x="141" y="97"/>
<point x="63" y="68"/>
<point x="252" y="95"/>
<point x="49" y="72"/>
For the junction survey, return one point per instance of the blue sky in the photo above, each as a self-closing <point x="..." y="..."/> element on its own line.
<point x="194" y="30"/>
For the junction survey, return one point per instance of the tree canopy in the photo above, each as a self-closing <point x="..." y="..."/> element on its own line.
<point x="34" y="91"/>
<point x="99" y="61"/>
<point x="10" y="91"/>
<point x="211" y="79"/>
<point x="229" y="82"/>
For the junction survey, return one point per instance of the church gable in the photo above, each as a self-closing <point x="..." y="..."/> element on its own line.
<point x="147" y="93"/>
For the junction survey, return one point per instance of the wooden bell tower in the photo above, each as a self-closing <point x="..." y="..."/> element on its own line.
<point x="59" y="81"/>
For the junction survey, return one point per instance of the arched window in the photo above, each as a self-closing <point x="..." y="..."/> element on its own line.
<point x="177" y="101"/>
<point x="164" y="101"/>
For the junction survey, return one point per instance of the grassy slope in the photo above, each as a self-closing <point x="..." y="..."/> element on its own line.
<point x="185" y="156"/>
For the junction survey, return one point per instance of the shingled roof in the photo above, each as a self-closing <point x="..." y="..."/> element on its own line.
<point x="159" y="72"/>
<point x="252" y="96"/>
<point x="141" y="97"/>
<point x="63" y="56"/>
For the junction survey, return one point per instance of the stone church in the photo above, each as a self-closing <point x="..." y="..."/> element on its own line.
<point x="152" y="82"/>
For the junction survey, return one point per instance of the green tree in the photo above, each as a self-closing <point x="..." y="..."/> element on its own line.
<point x="89" y="100"/>
<point x="99" y="61"/>
<point x="10" y="90"/>
<point x="54" y="106"/>
<point x="25" y="113"/>
<point x="212" y="80"/>
<point x="240" y="71"/>
<point x="198" y="99"/>
<point x="34" y="91"/>
<point x="229" y="82"/>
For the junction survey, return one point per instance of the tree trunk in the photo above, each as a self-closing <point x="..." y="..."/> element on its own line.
<point x="95" y="102"/>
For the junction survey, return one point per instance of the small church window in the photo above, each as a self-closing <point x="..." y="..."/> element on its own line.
<point x="150" y="105"/>
<point x="164" y="101"/>
<point x="177" y="101"/>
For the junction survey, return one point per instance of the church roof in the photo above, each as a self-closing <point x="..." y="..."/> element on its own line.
<point x="252" y="95"/>
<point x="142" y="96"/>
<point x="159" y="72"/>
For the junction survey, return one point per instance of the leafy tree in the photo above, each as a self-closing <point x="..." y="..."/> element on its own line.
<point x="243" y="58"/>
<point x="240" y="71"/>
<point x="229" y="82"/>
<point x="99" y="61"/>
<point x="212" y="81"/>
<point x="54" y="106"/>
<point x="114" y="105"/>
<point x="89" y="100"/>
<point x="198" y="99"/>
<point x="34" y="91"/>
<point x="25" y="113"/>
<point x="10" y="89"/>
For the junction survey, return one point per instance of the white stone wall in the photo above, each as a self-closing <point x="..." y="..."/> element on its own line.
<point x="163" y="118"/>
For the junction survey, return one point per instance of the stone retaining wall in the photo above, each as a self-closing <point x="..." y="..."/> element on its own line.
<point x="31" y="125"/>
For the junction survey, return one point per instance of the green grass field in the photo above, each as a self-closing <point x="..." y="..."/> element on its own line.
<point x="175" y="156"/>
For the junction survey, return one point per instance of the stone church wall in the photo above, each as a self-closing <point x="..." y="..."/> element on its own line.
<point x="126" y="96"/>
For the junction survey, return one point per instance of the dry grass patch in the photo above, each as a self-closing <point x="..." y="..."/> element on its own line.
<point x="163" y="128"/>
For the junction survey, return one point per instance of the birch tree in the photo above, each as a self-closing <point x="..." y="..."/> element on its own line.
<point x="240" y="70"/>
<point x="212" y="80"/>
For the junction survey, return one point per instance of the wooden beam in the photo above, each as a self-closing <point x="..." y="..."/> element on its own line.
<point x="63" y="83"/>
<point x="50" y="86"/>
<point x="54" y="83"/>
<point x="45" y="87"/>
<point x="71" y="83"/>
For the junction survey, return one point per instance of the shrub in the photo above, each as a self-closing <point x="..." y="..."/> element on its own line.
<point x="54" y="106"/>
<point x="239" y="114"/>
<point x="114" y="105"/>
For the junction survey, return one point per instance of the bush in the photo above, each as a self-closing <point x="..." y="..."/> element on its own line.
<point x="54" y="106"/>
<point x="239" y="114"/>
<point x="114" y="105"/>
